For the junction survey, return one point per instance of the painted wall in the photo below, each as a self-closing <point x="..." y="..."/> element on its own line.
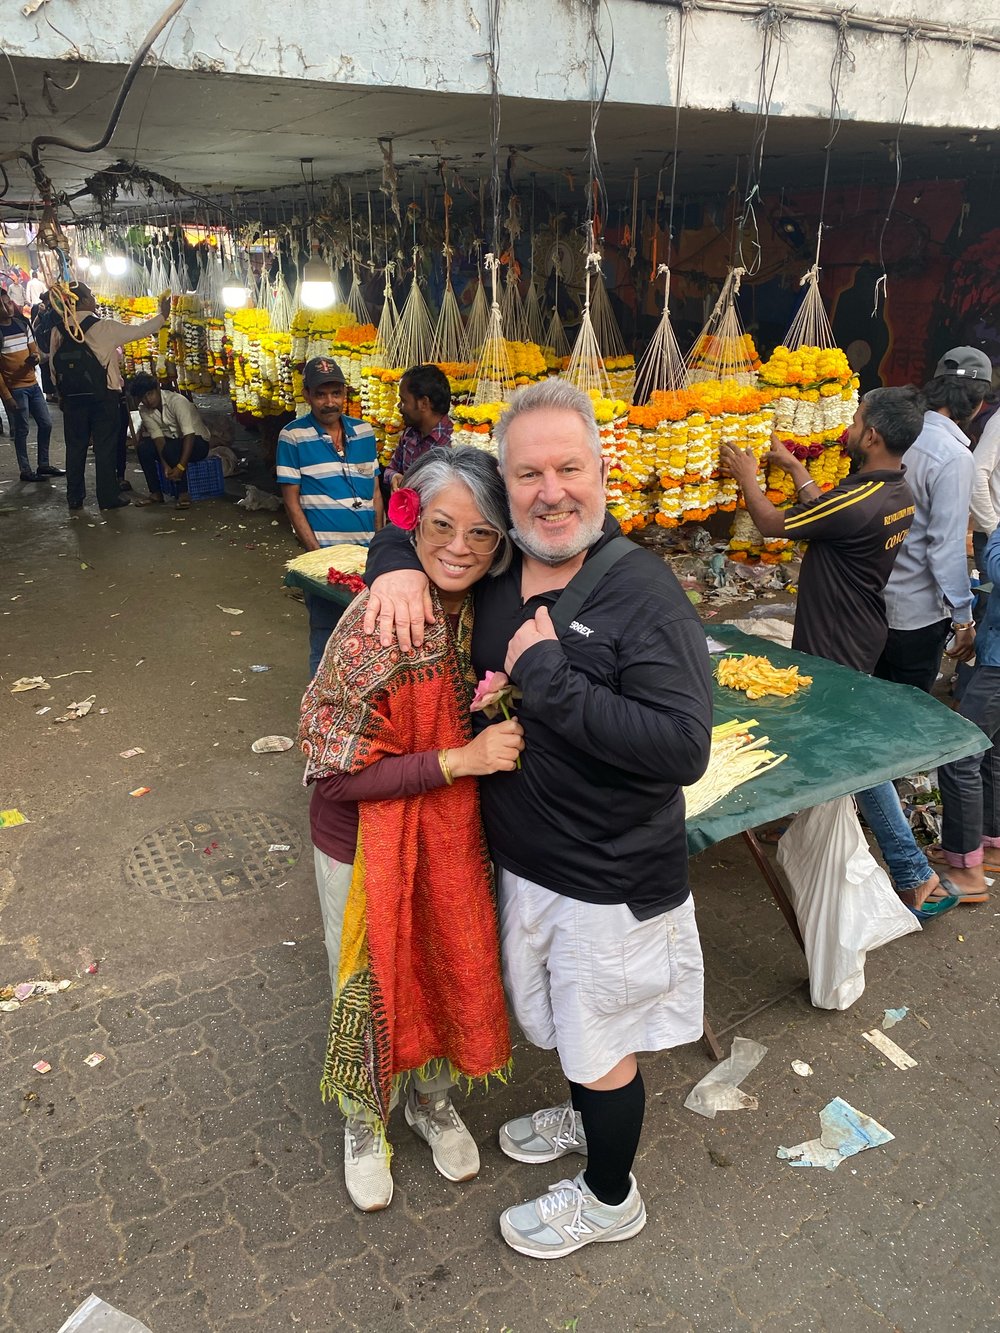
<point x="438" y="45"/>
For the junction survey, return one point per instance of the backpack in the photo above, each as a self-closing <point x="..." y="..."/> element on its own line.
<point x="77" y="370"/>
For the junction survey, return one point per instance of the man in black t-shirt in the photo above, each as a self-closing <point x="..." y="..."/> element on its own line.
<point x="854" y="534"/>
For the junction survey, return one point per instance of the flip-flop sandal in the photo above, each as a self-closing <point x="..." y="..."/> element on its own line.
<point x="183" y="504"/>
<point x="143" y="501"/>
<point x="936" y="855"/>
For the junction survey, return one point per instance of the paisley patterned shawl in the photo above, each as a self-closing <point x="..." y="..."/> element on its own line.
<point x="419" y="975"/>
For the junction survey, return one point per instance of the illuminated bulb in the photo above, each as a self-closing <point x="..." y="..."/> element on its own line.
<point x="234" y="294"/>
<point x="83" y="264"/>
<point x="116" y="265"/>
<point x="317" y="287"/>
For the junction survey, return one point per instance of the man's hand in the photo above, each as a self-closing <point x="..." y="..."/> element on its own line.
<point x="531" y="632"/>
<point x="965" y="645"/>
<point x="740" y="464"/>
<point x="400" y="605"/>
<point x="779" y="455"/>
<point x="165" y="306"/>
<point x="396" y="481"/>
<point x="172" y="473"/>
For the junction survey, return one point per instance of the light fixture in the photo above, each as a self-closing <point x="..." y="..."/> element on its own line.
<point x="317" y="283"/>
<point x="234" y="291"/>
<point x="116" y="265"/>
<point x="83" y="264"/>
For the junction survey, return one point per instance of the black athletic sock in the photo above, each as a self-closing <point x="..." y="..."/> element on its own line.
<point x="612" y="1122"/>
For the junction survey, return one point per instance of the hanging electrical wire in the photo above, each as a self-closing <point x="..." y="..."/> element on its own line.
<point x="908" y="79"/>
<point x="770" y="20"/>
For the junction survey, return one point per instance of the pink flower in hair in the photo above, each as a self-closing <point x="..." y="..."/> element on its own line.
<point x="404" y="508"/>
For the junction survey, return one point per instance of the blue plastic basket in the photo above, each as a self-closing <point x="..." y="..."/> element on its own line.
<point x="204" y="480"/>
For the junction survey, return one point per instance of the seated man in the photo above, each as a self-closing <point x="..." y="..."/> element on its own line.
<point x="176" y="435"/>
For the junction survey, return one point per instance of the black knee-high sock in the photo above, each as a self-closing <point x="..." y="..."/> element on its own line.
<point x="612" y="1122"/>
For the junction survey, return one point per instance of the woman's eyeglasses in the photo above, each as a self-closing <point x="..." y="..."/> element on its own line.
<point x="439" y="532"/>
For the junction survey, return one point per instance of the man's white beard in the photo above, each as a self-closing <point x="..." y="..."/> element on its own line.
<point x="590" y="534"/>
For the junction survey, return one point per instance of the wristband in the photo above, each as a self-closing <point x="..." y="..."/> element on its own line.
<point x="971" y="624"/>
<point x="182" y="467"/>
<point x="449" y="776"/>
<point x="810" y="482"/>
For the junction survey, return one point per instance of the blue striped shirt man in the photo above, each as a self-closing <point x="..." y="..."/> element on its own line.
<point x="336" y="491"/>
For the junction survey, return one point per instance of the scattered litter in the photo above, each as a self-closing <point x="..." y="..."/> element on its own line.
<point x="140" y="661"/>
<point x="290" y="943"/>
<point x="12" y="997"/>
<point x="235" y="633"/>
<point x="79" y="710"/>
<point x="84" y="565"/>
<point x="714" y="646"/>
<point x="892" y="1017"/>
<point x="719" y="1090"/>
<point x="93" y="969"/>
<point x="845" y="1132"/>
<point x="236" y="699"/>
<point x="42" y="1067"/>
<point x="960" y="938"/>
<point x="230" y="610"/>
<point x="81" y="671"/>
<point x="11" y="819"/>
<point x="103" y="712"/>
<point x="889" y="1049"/>
<point x="255" y="498"/>
<point x="141" y="791"/>
<point x="29" y="683"/>
<point x="802" y="1069"/>
<point x="260" y="668"/>
<point x="131" y="754"/>
<point x="272" y="744"/>
<point x="40" y="712"/>
<point x="280" y="847"/>
<point x="94" y="1059"/>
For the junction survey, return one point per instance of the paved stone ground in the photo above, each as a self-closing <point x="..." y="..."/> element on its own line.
<point x="194" y="1178"/>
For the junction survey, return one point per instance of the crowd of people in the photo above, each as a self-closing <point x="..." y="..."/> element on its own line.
<point x="498" y="730"/>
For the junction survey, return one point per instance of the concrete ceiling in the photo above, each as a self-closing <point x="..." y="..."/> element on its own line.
<point x="225" y="135"/>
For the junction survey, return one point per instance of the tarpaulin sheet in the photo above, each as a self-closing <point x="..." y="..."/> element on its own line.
<point x="843" y="733"/>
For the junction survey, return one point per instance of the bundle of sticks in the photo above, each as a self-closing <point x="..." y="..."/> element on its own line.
<point x="736" y="757"/>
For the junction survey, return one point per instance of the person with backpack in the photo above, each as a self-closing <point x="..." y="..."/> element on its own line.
<point x="22" y="397"/>
<point x="86" y="366"/>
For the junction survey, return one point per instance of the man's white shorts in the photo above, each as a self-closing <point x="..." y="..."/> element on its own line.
<point x="592" y="982"/>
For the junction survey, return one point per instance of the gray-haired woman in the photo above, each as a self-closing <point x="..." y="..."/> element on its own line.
<point x="401" y="863"/>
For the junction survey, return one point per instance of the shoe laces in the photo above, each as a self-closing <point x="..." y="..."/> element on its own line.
<point x="364" y="1140"/>
<point x="562" y="1195"/>
<point x="440" y="1113"/>
<point x="564" y="1119"/>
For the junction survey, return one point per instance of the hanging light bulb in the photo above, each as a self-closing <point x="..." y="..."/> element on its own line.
<point x="234" y="292"/>
<point x="116" y="265"/>
<point x="83" y="265"/>
<point x="317" y="283"/>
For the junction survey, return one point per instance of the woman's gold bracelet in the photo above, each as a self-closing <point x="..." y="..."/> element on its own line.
<point x="449" y="776"/>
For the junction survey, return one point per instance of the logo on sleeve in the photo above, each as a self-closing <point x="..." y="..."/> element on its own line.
<point x="581" y="629"/>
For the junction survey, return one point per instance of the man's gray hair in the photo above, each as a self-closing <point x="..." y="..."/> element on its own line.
<point x="548" y="394"/>
<point x="475" y="468"/>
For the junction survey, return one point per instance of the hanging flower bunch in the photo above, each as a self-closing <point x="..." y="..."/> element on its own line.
<point x="816" y="398"/>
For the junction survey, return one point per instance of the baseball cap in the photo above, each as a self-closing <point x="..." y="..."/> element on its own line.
<point x="322" y="370"/>
<point x="969" y="362"/>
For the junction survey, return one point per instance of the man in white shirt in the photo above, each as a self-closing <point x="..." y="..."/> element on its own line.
<point x="928" y="597"/>
<point x="34" y="288"/>
<point x="89" y="379"/>
<point x="176" y="435"/>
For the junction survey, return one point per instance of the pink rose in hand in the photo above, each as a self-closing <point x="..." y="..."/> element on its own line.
<point x="404" y="508"/>
<point x="495" y="694"/>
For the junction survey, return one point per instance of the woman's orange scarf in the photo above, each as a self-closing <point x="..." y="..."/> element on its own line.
<point x="419" y="973"/>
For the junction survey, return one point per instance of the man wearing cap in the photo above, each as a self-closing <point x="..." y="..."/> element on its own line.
<point x="328" y="469"/>
<point x="928" y="598"/>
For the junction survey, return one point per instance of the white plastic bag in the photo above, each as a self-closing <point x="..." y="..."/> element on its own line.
<point x="255" y="498"/>
<point x="843" y="900"/>
<point x="96" y="1316"/>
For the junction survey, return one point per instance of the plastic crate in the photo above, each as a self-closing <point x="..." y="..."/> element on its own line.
<point x="204" y="479"/>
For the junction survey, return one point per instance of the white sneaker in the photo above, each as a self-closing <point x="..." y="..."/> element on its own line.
<point x="545" y="1135"/>
<point x="439" y="1124"/>
<point x="366" y="1167"/>
<point x="569" y="1217"/>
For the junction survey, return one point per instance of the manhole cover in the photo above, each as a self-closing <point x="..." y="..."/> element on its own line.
<point x="214" y="855"/>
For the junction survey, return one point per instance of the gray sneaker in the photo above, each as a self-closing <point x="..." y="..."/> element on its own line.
<point x="545" y="1135"/>
<point x="569" y="1217"/>
<point x="439" y="1124"/>
<point x="366" y="1167"/>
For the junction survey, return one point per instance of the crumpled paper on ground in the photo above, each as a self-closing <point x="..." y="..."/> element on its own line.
<point x="719" y="1090"/>
<point x="845" y="1132"/>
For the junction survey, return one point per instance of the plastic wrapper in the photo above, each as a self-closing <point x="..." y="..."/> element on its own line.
<point x="95" y="1316"/>
<point x="719" y="1090"/>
